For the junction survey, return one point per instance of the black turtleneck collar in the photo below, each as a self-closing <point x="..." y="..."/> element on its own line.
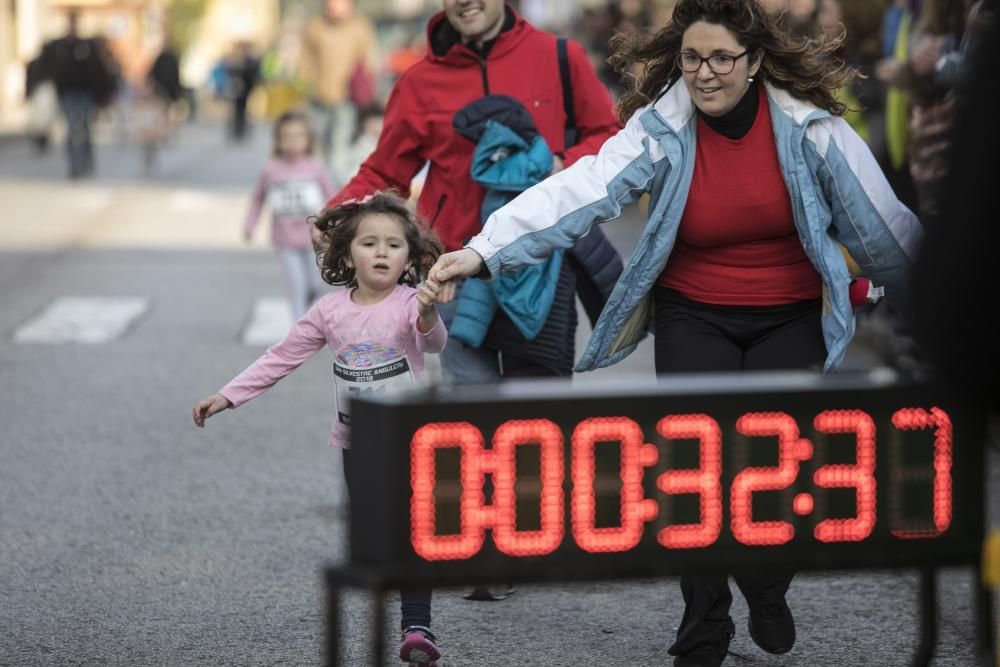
<point x="735" y="123"/>
<point x="446" y="36"/>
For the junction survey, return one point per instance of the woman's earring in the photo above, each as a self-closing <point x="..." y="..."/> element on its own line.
<point x="749" y="79"/>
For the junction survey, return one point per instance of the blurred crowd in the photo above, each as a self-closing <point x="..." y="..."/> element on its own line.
<point x="339" y="65"/>
<point x="912" y="55"/>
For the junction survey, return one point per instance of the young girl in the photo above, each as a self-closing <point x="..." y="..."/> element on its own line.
<point x="384" y="319"/>
<point x="295" y="186"/>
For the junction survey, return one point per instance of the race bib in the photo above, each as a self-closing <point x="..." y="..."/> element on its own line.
<point x="294" y="199"/>
<point x="358" y="374"/>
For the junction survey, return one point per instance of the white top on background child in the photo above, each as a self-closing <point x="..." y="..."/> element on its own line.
<point x="292" y="183"/>
<point x="369" y="128"/>
<point x="377" y="330"/>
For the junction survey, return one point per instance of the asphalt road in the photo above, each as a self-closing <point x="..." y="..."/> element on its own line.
<point x="129" y="537"/>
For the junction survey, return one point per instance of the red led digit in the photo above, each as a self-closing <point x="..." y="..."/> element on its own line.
<point x="704" y="480"/>
<point x="860" y="476"/>
<point x="634" y="511"/>
<point x="912" y="419"/>
<point x="423" y="479"/>
<point x="790" y="449"/>
<point x="508" y="539"/>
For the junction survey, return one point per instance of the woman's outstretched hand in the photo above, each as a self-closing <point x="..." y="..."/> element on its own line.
<point x="450" y="267"/>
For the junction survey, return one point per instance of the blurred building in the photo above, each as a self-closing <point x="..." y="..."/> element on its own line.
<point x="133" y="29"/>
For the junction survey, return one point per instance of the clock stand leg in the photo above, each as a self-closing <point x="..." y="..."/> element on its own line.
<point x="333" y="589"/>
<point x="378" y="639"/>
<point x="336" y="580"/>
<point x="928" y="617"/>
<point x="983" y="604"/>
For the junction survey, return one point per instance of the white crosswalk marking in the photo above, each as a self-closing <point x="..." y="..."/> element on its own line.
<point x="269" y="323"/>
<point x="82" y="320"/>
<point x="187" y="201"/>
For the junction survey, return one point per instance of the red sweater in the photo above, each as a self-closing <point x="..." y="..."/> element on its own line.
<point x="737" y="244"/>
<point x="522" y="64"/>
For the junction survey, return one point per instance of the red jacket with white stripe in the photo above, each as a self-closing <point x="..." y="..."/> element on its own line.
<point x="523" y="64"/>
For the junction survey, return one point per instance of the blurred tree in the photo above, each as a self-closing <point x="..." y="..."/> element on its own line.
<point x="183" y="18"/>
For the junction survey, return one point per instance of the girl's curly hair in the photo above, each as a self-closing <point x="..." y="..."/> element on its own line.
<point x="807" y="67"/>
<point x="339" y="224"/>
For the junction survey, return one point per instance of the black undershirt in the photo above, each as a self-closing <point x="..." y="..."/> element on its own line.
<point x="735" y="123"/>
<point x="445" y="37"/>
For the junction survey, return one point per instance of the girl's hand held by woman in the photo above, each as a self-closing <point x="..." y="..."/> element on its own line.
<point x="208" y="407"/>
<point x="427" y="294"/>
<point x="451" y="266"/>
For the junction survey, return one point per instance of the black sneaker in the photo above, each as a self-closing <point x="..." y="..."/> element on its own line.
<point x="707" y="655"/>
<point x="772" y="626"/>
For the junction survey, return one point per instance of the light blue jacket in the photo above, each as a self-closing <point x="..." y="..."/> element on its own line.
<point x="839" y="197"/>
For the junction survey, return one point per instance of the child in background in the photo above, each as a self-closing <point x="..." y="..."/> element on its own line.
<point x="369" y="127"/>
<point x="150" y="125"/>
<point x="295" y="186"/>
<point x="379" y="250"/>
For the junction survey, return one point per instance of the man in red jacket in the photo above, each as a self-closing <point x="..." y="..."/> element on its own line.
<point x="478" y="48"/>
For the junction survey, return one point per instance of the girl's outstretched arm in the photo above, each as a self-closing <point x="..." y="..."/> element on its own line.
<point x="207" y="407"/>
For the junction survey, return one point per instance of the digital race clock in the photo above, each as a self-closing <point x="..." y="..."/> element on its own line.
<point x="544" y="480"/>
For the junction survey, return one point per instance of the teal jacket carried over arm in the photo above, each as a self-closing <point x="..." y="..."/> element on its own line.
<point x="507" y="164"/>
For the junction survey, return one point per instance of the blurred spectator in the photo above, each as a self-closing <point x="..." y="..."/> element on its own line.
<point x="630" y="15"/>
<point x="937" y="30"/>
<point x="242" y="76"/>
<point x="162" y="88"/>
<point x="597" y="27"/>
<point x="150" y="123"/>
<point x="165" y="75"/>
<point x="862" y="49"/>
<point x="86" y="78"/>
<point x="337" y="55"/>
<point x="407" y="55"/>
<point x="954" y="275"/>
<point x="283" y="92"/>
<point x="896" y="36"/>
<point x="218" y="79"/>
<point x="600" y="24"/>
<point x="825" y="19"/>
<point x="369" y="128"/>
<point x="42" y="102"/>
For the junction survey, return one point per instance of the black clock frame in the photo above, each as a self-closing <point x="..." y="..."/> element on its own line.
<point x="382" y="558"/>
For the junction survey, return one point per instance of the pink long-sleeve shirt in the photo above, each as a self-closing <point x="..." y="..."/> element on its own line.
<point x="293" y="190"/>
<point x="375" y="348"/>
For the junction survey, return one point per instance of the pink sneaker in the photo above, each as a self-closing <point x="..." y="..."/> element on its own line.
<point x="418" y="648"/>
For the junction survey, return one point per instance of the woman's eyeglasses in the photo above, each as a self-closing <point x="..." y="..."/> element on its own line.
<point x="718" y="63"/>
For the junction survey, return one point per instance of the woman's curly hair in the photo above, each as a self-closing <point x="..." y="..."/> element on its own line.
<point x="809" y="68"/>
<point x="339" y="224"/>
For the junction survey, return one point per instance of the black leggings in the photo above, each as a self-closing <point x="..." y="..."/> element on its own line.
<point x="414" y="603"/>
<point x="695" y="337"/>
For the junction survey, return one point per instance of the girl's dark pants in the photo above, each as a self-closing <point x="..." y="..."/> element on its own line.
<point x="696" y="337"/>
<point x="415" y="604"/>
